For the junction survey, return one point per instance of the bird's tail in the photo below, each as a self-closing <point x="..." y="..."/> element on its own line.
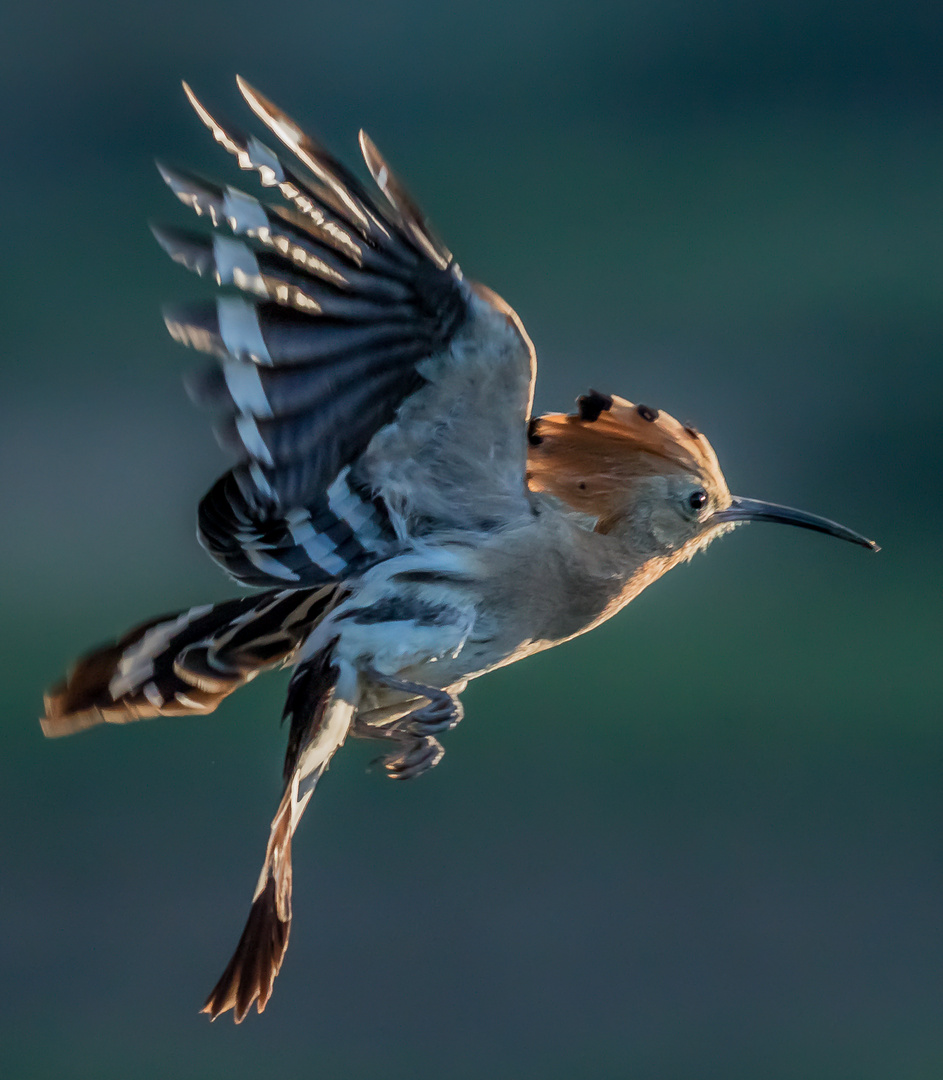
<point x="322" y="698"/>
<point x="186" y="662"/>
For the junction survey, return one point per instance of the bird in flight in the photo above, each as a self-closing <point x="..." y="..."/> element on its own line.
<point x="410" y="524"/>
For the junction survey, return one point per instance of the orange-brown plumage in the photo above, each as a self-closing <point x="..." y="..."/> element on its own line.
<point x="593" y="459"/>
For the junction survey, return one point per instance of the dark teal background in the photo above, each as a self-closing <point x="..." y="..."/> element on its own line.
<point x="703" y="842"/>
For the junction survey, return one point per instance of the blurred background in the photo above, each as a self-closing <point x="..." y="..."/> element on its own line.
<point x="704" y="841"/>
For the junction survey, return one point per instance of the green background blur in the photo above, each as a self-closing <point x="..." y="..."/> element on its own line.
<point x="704" y="841"/>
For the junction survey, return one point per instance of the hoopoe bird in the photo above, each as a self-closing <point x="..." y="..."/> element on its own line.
<point x="410" y="524"/>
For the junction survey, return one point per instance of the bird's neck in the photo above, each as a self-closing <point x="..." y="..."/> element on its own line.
<point x="561" y="578"/>
<point x="612" y="572"/>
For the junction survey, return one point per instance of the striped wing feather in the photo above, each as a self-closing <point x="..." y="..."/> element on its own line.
<point x="340" y="311"/>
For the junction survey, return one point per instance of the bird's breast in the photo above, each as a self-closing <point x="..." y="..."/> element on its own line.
<point x="450" y="611"/>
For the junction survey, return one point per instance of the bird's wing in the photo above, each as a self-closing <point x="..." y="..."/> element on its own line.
<point x="371" y="393"/>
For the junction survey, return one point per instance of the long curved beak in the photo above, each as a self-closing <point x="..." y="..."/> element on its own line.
<point x="754" y="510"/>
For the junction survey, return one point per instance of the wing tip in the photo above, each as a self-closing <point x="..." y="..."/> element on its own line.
<point x="167" y="174"/>
<point x="219" y="133"/>
<point x="271" y="115"/>
<point x="196" y="325"/>
<point x="165" y="236"/>
<point x="191" y="97"/>
<point x="245" y="87"/>
<point x="373" y="159"/>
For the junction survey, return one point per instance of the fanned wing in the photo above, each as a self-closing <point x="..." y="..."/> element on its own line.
<point x="370" y="392"/>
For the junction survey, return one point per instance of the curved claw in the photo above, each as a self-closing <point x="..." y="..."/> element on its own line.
<point x="415" y="758"/>
<point x="441" y="714"/>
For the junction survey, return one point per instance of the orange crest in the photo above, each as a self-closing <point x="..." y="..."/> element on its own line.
<point x="592" y="459"/>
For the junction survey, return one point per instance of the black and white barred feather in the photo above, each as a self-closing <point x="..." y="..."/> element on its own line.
<point x="186" y="662"/>
<point x="346" y="301"/>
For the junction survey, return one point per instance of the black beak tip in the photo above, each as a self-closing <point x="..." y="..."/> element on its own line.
<point x="741" y="509"/>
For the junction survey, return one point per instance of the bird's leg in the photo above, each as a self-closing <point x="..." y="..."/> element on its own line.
<point x="414" y="734"/>
<point x="442" y="713"/>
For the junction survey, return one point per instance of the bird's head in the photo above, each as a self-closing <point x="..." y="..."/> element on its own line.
<point x="646" y="478"/>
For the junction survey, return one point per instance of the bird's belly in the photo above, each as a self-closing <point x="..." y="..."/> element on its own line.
<point x="442" y="615"/>
<point x="488" y="645"/>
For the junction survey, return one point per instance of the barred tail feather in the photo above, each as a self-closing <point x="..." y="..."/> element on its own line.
<point x="258" y="957"/>
<point x="184" y="663"/>
<point x="321" y="702"/>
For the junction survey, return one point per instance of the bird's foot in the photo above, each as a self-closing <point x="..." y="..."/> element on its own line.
<point x="442" y="713"/>
<point x="415" y="755"/>
<point x="417" y="749"/>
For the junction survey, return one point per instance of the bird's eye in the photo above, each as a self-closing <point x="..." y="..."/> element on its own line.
<point x="697" y="500"/>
